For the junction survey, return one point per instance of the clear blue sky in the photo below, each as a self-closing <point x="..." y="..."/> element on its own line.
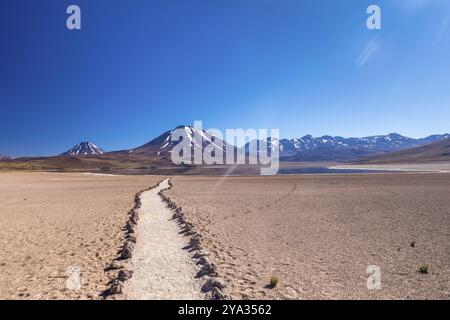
<point x="140" y="67"/>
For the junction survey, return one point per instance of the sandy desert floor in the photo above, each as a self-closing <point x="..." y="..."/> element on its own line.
<point x="52" y="221"/>
<point x="316" y="233"/>
<point x="319" y="234"/>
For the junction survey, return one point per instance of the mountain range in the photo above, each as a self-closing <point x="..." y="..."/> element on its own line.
<point x="329" y="148"/>
<point x="304" y="149"/>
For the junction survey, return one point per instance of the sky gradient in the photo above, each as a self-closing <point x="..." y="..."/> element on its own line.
<point x="139" y="68"/>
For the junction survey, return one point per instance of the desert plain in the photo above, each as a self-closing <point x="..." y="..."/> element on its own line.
<point x="317" y="234"/>
<point x="50" y="222"/>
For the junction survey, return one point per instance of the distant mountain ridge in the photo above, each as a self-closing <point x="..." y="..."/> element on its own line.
<point x="83" y="149"/>
<point x="436" y="151"/>
<point x="154" y="156"/>
<point x="329" y="148"/>
<point x="306" y="148"/>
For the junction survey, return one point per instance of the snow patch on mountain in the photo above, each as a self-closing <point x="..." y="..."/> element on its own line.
<point x="162" y="146"/>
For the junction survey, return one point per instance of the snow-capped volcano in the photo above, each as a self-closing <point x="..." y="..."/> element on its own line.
<point x="2" y="157"/>
<point x="162" y="146"/>
<point x="83" y="149"/>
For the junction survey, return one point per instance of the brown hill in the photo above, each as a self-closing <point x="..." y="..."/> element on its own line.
<point x="105" y="163"/>
<point x="437" y="151"/>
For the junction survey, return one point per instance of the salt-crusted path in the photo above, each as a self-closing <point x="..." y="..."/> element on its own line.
<point x="162" y="268"/>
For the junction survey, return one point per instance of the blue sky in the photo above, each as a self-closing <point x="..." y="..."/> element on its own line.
<point x="138" y="68"/>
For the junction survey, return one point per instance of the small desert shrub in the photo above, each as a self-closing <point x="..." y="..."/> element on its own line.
<point x="412" y="244"/>
<point x="424" y="269"/>
<point x="274" y="281"/>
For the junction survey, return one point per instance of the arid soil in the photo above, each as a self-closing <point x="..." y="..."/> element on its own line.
<point x="52" y="221"/>
<point x="318" y="234"/>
